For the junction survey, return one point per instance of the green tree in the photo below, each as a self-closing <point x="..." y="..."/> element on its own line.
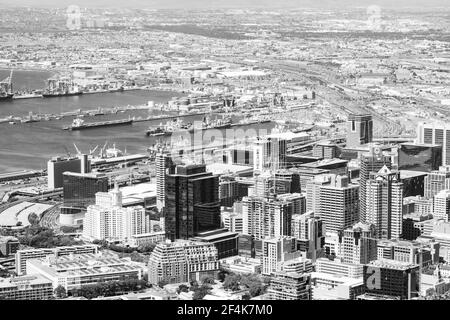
<point x="60" y="292"/>
<point x="201" y="292"/>
<point x="207" y="280"/>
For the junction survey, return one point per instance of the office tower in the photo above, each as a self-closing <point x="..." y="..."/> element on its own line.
<point x="413" y="225"/>
<point x="419" y="157"/>
<point x="226" y="242"/>
<point x="415" y="252"/>
<point x="79" y="192"/>
<point x="276" y="251"/>
<point x="192" y="201"/>
<point x="108" y="220"/>
<point x="360" y="130"/>
<point x="22" y="256"/>
<point x="384" y="200"/>
<point x="80" y="189"/>
<point x="246" y="246"/>
<point x="309" y="232"/>
<point x="265" y="217"/>
<point x="286" y="181"/>
<point x="290" y="286"/>
<point x="393" y="279"/>
<point x="436" y="181"/>
<point x="413" y="183"/>
<point x="436" y="133"/>
<point x="269" y="153"/>
<point x="228" y="190"/>
<point x="325" y="150"/>
<point x="313" y="188"/>
<point x="57" y="166"/>
<point x="442" y="205"/>
<point x="163" y="162"/>
<point x="357" y="244"/>
<point x="182" y="261"/>
<point x="232" y="219"/>
<point x="370" y="162"/>
<point x="338" y="203"/>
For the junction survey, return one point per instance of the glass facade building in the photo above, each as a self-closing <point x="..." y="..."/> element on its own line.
<point x="419" y="157"/>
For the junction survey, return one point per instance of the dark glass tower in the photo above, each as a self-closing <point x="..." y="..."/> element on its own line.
<point x="192" y="201"/>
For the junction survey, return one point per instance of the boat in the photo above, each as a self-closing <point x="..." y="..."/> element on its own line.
<point x="207" y="124"/>
<point x="6" y="88"/>
<point x="79" y="124"/>
<point x="27" y="95"/>
<point x="169" y="128"/>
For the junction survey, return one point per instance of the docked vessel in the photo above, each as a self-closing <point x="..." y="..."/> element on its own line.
<point x="169" y="128"/>
<point x="207" y="124"/>
<point x="61" y="88"/>
<point x="79" y="124"/>
<point x="26" y="95"/>
<point x="6" y="88"/>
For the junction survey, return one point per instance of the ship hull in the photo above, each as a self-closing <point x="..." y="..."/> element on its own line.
<point x="56" y="95"/>
<point x="99" y="125"/>
<point x="7" y="97"/>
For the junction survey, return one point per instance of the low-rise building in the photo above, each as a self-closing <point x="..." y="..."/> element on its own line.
<point x="30" y="287"/>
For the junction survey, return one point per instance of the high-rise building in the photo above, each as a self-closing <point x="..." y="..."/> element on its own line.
<point x="192" y="201"/>
<point x="182" y="261"/>
<point x="228" y="190"/>
<point x="290" y="286"/>
<point x="370" y="162"/>
<point x="435" y="133"/>
<point x="269" y="153"/>
<point x="57" y="166"/>
<point x="357" y="244"/>
<point x="266" y="217"/>
<point x="233" y="219"/>
<point x="419" y="157"/>
<point x="436" y="181"/>
<point x="360" y="130"/>
<point x="108" y="220"/>
<point x="163" y="162"/>
<point x="442" y="205"/>
<point x="394" y="279"/>
<point x="309" y="232"/>
<point x="338" y="203"/>
<point x="277" y="251"/>
<point x="225" y="241"/>
<point x="313" y="188"/>
<point x="414" y="252"/>
<point x="384" y="201"/>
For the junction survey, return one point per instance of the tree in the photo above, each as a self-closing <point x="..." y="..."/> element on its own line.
<point x="60" y="292"/>
<point x="162" y="283"/>
<point x="33" y="218"/>
<point x="231" y="282"/>
<point x="146" y="247"/>
<point x="201" y="292"/>
<point x="246" y="297"/>
<point x="222" y="274"/>
<point x="207" y="280"/>
<point x="182" y="288"/>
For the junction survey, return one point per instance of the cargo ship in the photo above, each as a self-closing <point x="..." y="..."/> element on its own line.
<point x="169" y="128"/>
<point x="207" y="124"/>
<point x="6" y="88"/>
<point x="79" y="124"/>
<point x="61" y="88"/>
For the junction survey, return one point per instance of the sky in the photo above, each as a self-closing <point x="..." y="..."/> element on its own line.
<point x="196" y="4"/>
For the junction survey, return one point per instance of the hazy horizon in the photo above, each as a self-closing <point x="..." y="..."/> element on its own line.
<point x="211" y="4"/>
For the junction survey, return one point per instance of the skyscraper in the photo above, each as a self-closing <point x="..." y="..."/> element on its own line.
<point x="360" y="129"/>
<point x="357" y="244"/>
<point x="384" y="200"/>
<point x="266" y="217"/>
<point x="338" y="203"/>
<point x="108" y="220"/>
<point x="436" y="133"/>
<point x="442" y="205"/>
<point x="436" y="181"/>
<point x="309" y="232"/>
<point x="370" y="162"/>
<point x="192" y="201"/>
<point x="269" y="153"/>
<point x="57" y="166"/>
<point x="163" y="162"/>
<point x="276" y="251"/>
